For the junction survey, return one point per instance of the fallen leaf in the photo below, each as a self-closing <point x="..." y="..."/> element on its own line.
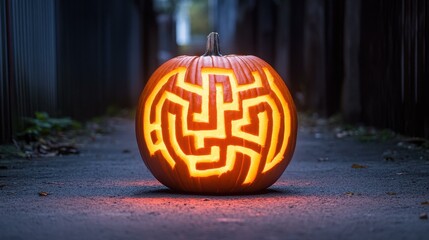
<point x="43" y="194"/>
<point x="342" y="134"/>
<point x="389" y="155"/>
<point x="358" y="166"/>
<point x="423" y="216"/>
<point x="425" y="203"/>
<point x="350" y="194"/>
<point x="416" y="141"/>
<point x="126" y="151"/>
<point x="67" y="150"/>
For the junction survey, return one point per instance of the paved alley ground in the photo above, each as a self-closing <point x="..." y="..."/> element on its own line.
<point x="334" y="188"/>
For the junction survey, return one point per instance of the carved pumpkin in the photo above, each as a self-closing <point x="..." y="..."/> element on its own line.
<point x="216" y="124"/>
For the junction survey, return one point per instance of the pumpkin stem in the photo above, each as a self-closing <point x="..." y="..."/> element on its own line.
<point x="213" y="45"/>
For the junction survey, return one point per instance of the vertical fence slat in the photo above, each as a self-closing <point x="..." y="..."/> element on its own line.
<point x="5" y="103"/>
<point x="33" y="68"/>
<point x="351" y="99"/>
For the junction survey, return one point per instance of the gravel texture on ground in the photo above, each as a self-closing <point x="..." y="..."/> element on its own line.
<point x="334" y="188"/>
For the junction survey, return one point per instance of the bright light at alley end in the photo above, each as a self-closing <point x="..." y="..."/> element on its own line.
<point x="216" y="124"/>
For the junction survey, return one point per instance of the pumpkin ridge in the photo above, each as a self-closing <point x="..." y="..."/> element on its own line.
<point x="241" y="173"/>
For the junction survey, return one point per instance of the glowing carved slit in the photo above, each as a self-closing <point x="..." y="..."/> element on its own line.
<point x="278" y="118"/>
<point x="149" y="126"/>
<point x="271" y="162"/>
<point x="237" y="125"/>
<point x="192" y="160"/>
<point x="232" y="150"/>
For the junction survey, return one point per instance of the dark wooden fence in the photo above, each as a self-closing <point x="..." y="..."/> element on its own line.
<point x="28" y="61"/>
<point x="72" y="58"/>
<point x="96" y="53"/>
<point x="394" y="70"/>
<point x="365" y="59"/>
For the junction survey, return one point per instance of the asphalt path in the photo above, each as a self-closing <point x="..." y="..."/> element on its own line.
<point x="106" y="192"/>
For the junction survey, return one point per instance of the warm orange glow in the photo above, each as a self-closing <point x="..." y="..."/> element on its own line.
<point x="271" y="162"/>
<point x="279" y="118"/>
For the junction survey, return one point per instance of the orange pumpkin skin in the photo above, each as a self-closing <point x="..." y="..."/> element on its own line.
<point x="216" y="124"/>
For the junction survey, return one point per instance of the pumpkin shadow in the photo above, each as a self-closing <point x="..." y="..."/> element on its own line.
<point x="166" y="192"/>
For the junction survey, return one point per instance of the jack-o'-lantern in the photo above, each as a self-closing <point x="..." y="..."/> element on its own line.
<point x="216" y="124"/>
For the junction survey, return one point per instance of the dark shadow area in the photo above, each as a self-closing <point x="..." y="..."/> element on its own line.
<point x="166" y="192"/>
